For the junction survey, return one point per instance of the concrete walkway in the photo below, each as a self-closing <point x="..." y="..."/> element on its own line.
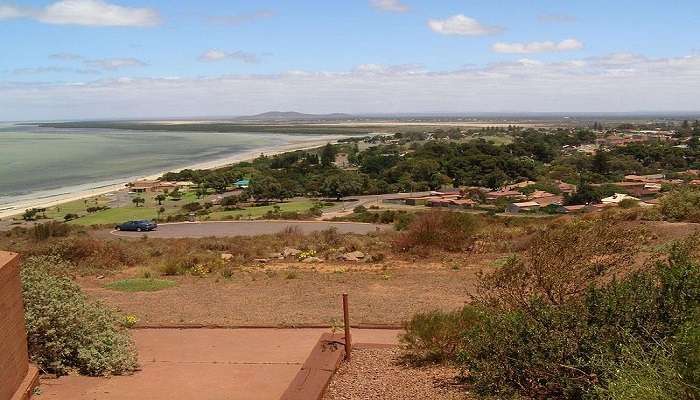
<point x="206" y="364"/>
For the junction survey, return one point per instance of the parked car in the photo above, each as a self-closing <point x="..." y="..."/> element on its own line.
<point x="138" y="226"/>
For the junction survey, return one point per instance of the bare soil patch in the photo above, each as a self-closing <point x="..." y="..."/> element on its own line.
<point x="296" y="295"/>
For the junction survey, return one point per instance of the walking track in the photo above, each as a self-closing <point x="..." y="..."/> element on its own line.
<point x="206" y="364"/>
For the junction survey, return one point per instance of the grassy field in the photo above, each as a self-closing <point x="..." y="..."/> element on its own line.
<point x="126" y="210"/>
<point x="129" y="211"/>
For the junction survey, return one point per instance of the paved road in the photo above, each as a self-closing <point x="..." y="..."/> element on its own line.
<point x="248" y="228"/>
<point x="354" y="201"/>
<point x="207" y="364"/>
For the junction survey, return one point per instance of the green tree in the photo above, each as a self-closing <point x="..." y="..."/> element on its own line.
<point x="160" y="198"/>
<point x="341" y="184"/>
<point x="139" y="201"/>
<point x="328" y="155"/>
<point x="601" y="162"/>
<point x="266" y="188"/>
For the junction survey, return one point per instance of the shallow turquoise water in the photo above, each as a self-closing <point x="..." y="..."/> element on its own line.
<point x="43" y="159"/>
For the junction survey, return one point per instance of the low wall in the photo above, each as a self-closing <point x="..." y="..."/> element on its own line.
<point x="17" y="377"/>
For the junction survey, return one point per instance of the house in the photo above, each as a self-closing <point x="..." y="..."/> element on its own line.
<point x="143" y="186"/>
<point x="185" y="185"/>
<point x="617" y="198"/>
<point x="504" y="194"/>
<point x="342" y="161"/>
<point x="644" y="178"/>
<point x="566" y="187"/>
<point x="579" y="208"/>
<point x="242" y="184"/>
<point x="514" y="208"/>
<point x="520" y="185"/>
<point x="418" y="201"/>
<point x="451" y="203"/>
<point x="549" y="200"/>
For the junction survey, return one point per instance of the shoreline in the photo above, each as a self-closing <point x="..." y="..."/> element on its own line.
<point x="17" y="208"/>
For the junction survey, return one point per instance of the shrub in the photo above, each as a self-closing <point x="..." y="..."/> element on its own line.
<point x="50" y="229"/>
<point x="448" y="231"/>
<point x="436" y="336"/>
<point x="561" y="263"/>
<point x="582" y="346"/>
<point x="67" y="331"/>
<point x="628" y="203"/>
<point x="87" y="254"/>
<point x="192" y="207"/>
<point x="681" y="205"/>
<point x="644" y="375"/>
<point x="632" y="338"/>
<point x="70" y="217"/>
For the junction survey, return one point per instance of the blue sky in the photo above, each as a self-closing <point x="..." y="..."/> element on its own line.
<point x="140" y="58"/>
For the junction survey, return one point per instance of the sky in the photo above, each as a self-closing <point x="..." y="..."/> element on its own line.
<point x="102" y="59"/>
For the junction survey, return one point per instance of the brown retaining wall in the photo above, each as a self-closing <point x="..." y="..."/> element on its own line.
<point x="17" y="378"/>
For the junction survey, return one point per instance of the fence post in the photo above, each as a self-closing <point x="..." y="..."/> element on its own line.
<point x="346" y="321"/>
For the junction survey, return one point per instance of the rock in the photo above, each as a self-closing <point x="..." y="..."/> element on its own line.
<point x="262" y="260"/>
<point x="290" y="252"/>
<point x="353" y="256"/>
<point x="226" y="256"/>
<point x="312" y="260"/>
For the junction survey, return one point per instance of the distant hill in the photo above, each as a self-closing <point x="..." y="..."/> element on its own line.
<point x="293" y="116"/>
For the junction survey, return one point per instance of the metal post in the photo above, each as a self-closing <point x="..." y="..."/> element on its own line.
<point x="346" y="320"/>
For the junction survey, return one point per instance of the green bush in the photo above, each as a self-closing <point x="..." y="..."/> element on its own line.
<point x="567" y="350"/>
<point x="65" y="330"/>
<point x="636" y="337"/>
<point x="644" y="375"/>
<point x="681" y="205"/>
<point x="436" y="336"/>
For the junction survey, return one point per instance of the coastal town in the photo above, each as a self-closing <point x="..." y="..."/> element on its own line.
<point x="349" y="200"/>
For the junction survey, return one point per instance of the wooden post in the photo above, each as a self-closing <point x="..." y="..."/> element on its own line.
<point x="346" y="321"/>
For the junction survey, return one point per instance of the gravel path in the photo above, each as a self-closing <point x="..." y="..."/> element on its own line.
<point x="377" y="374"/>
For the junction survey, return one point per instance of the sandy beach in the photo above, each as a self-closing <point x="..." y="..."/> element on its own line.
<point x="16" y="208"/>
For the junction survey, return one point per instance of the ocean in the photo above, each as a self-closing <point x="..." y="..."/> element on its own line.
<point x="42" y="163"/>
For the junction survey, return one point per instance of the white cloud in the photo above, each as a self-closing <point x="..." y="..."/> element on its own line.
<point x="537" y="47"/>
<point x="463" y="26"/>
<point x="629" y="83"/>
<point x="381" y="69"/>
<point x="9" y="12"/>
<point x="84" y="12"/>
<point x="389" y="5"/>
<point x="115" y="63"/>
<point x="220" y="55"/>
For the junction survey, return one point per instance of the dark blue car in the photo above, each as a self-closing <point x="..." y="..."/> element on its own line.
<point x="138" y="226"/>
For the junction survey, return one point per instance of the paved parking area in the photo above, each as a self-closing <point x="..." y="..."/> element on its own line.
<point x="206" y="364"/>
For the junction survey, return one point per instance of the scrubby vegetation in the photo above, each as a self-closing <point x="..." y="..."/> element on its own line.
<point x="65" y="330"/>
<point x="438" y="230"/>
<point x="568" y="322"/>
